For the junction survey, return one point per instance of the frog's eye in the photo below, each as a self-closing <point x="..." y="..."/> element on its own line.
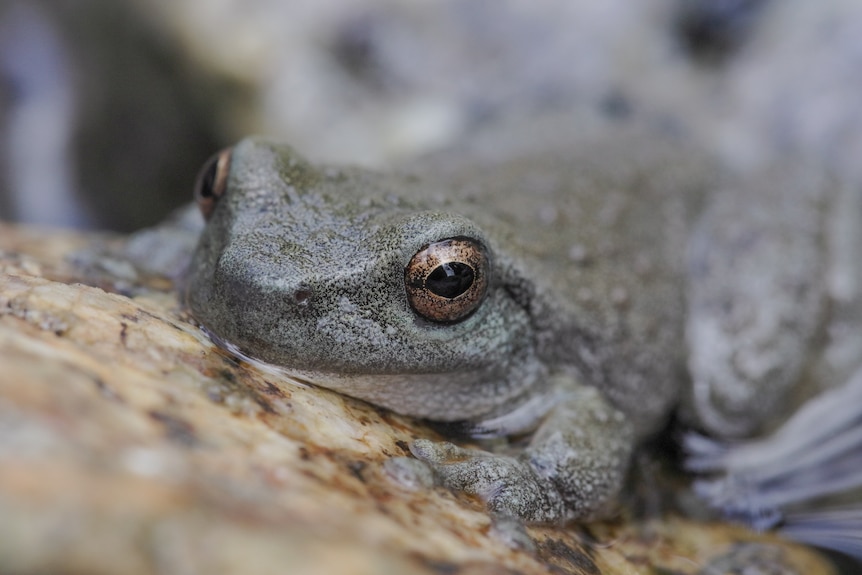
<point x="447" y="280"/>
<point x="212" y="182"/>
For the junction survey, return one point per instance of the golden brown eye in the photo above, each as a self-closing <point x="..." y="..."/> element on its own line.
<point x="212" y="182"/>
<point x="447" y="280"/>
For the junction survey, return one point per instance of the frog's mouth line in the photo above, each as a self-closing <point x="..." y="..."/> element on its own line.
<point x="438" y="397"/>
<point x="263" y="366"/>
<point x="300" y="377"/>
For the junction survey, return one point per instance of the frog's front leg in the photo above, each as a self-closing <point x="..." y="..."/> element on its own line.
<point x="573" y="467"/>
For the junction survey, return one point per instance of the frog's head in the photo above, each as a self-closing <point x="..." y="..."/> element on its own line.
<point x="341" y="280"/>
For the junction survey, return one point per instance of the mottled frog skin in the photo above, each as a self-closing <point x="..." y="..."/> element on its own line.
<point x="578" y="289"/>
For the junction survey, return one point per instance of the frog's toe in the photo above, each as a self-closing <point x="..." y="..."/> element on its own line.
<point x="438" y="452"/>
<point x="507" y="485"/>
<point x="526" y="497"/>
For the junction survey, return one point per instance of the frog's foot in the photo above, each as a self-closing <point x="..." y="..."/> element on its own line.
<point x="782" y="480"/>
<point x="508" y="485"/>
<point x="573" y="467"/>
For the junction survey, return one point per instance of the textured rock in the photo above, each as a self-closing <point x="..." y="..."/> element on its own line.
<point x="130" y="444"/>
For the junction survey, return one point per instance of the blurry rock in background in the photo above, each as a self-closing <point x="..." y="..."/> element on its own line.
<point x="796" y="87"/>
<point x="714" y="30"/>
<point x="119" y="101"/>
<point x="104" y="122"/>
<point x="37" y="107"/>
<point x="376" y="81"/>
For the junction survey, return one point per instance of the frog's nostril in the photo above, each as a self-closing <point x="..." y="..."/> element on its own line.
<point x="301" y="296"/>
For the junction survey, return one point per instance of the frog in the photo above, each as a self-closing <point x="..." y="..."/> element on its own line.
<point x="566" y="289"/>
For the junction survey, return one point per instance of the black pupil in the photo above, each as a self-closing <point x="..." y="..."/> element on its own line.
<point x="450" y="280"/>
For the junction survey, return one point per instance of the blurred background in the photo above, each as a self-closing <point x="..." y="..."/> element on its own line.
<point x="109" y="107"/>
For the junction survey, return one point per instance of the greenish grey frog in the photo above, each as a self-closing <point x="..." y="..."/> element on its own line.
<point x="577" y="289"/>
